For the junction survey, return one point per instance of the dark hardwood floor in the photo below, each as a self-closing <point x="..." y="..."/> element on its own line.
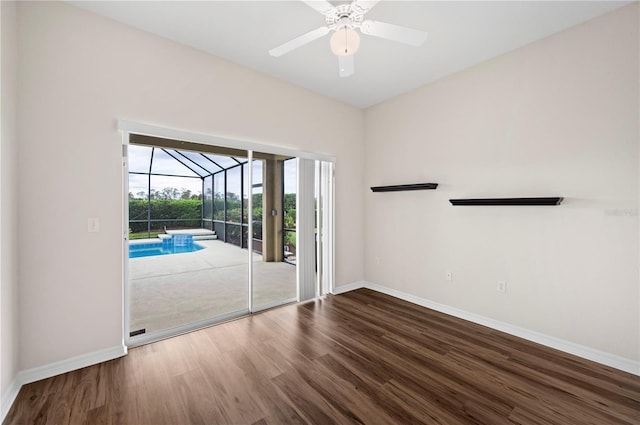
<point x="361" y="357"/>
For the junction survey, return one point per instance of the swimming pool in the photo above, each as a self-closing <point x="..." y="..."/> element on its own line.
<point x="152" y="249"/>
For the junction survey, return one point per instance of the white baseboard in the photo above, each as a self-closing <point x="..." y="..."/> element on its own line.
<point x="73" y="363"/>
<point x="8" y="398"/>
<point x="63" y="366"/>
<point x="602" y="357"/>
<point x="348" y="287"/>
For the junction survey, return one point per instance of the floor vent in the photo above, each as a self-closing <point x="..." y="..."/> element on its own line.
<point x="138" y="332"/>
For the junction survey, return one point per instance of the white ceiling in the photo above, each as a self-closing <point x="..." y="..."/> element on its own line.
<point x="461" y="34"/>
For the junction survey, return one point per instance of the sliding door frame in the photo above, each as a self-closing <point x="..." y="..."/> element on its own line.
<point x="127" y="128"/>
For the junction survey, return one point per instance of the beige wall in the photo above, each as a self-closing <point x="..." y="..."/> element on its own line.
<point x="559" y="117"/>
<point x="8" y="197"/>
<point x="78" y="74"/>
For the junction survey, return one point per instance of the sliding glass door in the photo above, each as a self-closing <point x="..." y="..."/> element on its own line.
<point x="213" y="234"/>
<point x="182" y="273"/>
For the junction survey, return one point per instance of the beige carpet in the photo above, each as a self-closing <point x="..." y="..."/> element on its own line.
<point x="174" y="290"/>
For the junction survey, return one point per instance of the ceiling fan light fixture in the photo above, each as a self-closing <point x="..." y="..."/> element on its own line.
<point x="344" y="42"/>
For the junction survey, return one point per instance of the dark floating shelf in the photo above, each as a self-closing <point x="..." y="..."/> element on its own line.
<point x="507" y="201"/>
<point x="400" y="187"/>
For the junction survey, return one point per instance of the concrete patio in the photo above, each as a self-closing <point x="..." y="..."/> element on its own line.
<point x="174" y="290"/>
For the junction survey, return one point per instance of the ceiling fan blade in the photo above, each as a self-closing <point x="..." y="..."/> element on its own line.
<point x="321" y="6"/>
<point x="394" y="32"/>
<point x="345" y="66"/>
<point x="298" y="41"/>
<point x="366" y="5"/>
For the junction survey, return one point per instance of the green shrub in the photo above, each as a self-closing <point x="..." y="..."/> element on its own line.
<point x="188" y="210"/>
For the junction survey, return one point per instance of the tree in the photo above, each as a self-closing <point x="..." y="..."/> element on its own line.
<point x="290" y="210"/>
<point x="290" y="218"/>
<point x="289" y="201"/>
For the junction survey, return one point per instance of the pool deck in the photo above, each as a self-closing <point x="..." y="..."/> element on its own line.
<point x="173" y="290"/>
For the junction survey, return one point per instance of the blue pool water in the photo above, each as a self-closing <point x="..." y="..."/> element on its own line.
<point x="151" y="249"/>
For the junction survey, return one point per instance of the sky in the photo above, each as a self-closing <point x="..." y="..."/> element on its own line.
<point x="139" y="157"/>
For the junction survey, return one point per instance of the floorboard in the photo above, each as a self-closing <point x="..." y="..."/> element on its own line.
<point x="357" y="358"/>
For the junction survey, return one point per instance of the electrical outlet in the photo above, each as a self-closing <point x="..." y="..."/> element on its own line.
<point x="502" y="286"/>
<point x="377" y="261"/>
<point x="448" y="276"/>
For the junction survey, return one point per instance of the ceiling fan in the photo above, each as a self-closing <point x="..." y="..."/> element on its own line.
<point x="345" y="41"/>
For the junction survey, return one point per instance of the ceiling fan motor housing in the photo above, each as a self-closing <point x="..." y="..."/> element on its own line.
<point x="346" y="15"/>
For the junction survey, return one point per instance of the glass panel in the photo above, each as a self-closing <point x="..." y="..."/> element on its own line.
<point x="218" y="196"/>
<point x="219" y="228"/>
<point x="207" y="206"/>
<point x="289" y="209"/>
<point x="233" y="233"/>
<point x="224" y="161"/>
<point x="138" y="223"/>
<point x="175" y="203"/>
<point x="257" y="206"/>
<point x="192" y="278"/>
<point x="163" y="163"/>
<point x="138" y="186"/>
<point x="274" y="281"/>
<point x="234" y="189"/>
<point x="139" y="158"/>
<point x="245" y="233"/>
<point x="167" y="187"/>
<point x="206" y="165"/>
<point x="207" y="197"/>
<point x="245" y="195"/>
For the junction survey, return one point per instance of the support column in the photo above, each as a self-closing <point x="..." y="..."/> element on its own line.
<point x="272" y="237"/>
